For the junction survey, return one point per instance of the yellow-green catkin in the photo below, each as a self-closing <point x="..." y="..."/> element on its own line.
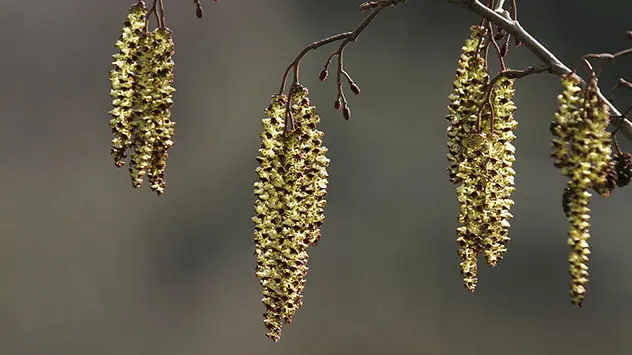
<point x="289" y="206"/>
<point x="481" y="156"/>
<point x="122" y="80"/>
<point x="499" y="172"/>
<point x="463" y="140"/>
<point x="581" y="150"/>
<point x="152" y="127"/>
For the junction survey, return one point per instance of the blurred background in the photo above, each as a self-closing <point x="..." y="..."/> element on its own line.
<point x="88" y="265"/>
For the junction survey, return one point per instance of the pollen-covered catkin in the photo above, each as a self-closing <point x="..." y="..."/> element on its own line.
<point x="290" y="195"/>
<point x="122" y="78"/>
<point x="499" y="172"/>
<point x="481" y="155"/>
<point x="162" y="71"/>
<point x="465" y="100"/>
<point x="143" y="123"/>
<point x="152" y="128"/>
<point x="581" y="150"/>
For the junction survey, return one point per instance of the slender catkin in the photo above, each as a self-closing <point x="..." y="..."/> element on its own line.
<point x="152" y="127"/>
<point x="499" y="172"/>
<point x="481" y="156"/>
<point x="143" y="126"/>
<point x="122" y="78"/>
<point x="581" y="150"/>
<point x="289" y="205"/>
<point x="463" y="141"/>
<point x="163" y="76"/>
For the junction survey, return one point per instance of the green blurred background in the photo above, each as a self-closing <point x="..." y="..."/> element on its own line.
<point x="88" y="265"/>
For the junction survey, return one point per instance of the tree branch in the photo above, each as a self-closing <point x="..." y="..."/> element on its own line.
<point x="502" y="19"/>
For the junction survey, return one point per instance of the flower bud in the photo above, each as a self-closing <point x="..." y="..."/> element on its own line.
<point x="338" y="104"/>
<point x="323" y="75"/>
<point x="346" y="113"/>
<point x="355" y="88"/>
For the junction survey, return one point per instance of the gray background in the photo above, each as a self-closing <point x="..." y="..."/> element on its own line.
<point x="88" y="265"/>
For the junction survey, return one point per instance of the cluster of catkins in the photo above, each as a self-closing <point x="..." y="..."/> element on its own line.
<point x="581" y="151"/>
<point x="141" y="94"/>
<point x="481" y="155"/>
<point x="290" y="197"/>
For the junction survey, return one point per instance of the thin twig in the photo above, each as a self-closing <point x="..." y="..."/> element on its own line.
<point x="161" y="20"/>
<point x="490" y="29"/>
<point x="558" y="68"/>
<point x="346" y="38"/>
<point x="616" y="143"/>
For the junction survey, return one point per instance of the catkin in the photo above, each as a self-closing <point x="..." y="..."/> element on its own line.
<point x="581" y="150"/>
<point x="481" y="156"/>
<point x="122" y="78"/>
<point x="142" y="95"/>
<point x="289" y="206"/>
<point x="468" y="95"/>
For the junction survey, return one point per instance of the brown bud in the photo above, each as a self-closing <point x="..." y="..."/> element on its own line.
<point x="199" y="12"/>
<point x="629" y="34"/>
<point x="346" y="113"/>
<point x="369" y="5"/>
<point x="338" y="104"/>
<point x="323" y="75"/>
<point x="355" y="88"/>
<point x="499" y="35"/>
<point x="517" y="42"/>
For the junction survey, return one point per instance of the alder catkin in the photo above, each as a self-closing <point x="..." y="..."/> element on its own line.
<point x="289" y="207"/>
<point x="581" y="150"/>
<point x="152" y="128"/>
<point x="143" y="126"/>
<point x="481" y="156"/>
<point x="499" y="172"/>
<point x="122" y="78"/>
<point x="463" y="143"/>
<point x="164" y="127"/>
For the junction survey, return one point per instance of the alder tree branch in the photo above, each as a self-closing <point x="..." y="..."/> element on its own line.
<point x="375" y="7"/>
<point x="503" y="19"/>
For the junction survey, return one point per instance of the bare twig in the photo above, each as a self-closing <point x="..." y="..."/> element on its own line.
<point x="157" y="9"/>
<point x="346" y="37"/>
<point x="503" y="20"/>
<point x="499" y="51"/>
